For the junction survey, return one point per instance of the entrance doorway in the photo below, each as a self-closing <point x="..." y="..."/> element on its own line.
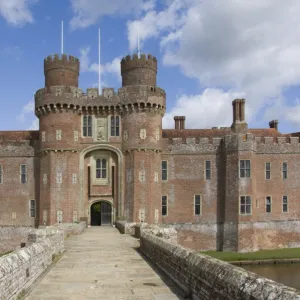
<point x="101" y="213"/>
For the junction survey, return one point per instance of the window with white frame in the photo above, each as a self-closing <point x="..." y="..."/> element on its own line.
<point x="101" y="168"/>
<point x="284" y="170"/>
<point x="58" y="135"/>
<point x="164" y="205"/>
<point x="32" y="208"/>
<point x="1" y="174"/>
<point x="284" y="203"/>
<point x="268" y="204"/>
<point x="87" y="125"/>
<point x="245" y="168"/>
<point x="197" y="205"/>
<point x="268" y="170"/>
<point x="23" y="173"/>
<point x="164" y="170"/>
<point x="207" y="170"/>
<point x="114" y="125"/>
<point x="245" y="205"/>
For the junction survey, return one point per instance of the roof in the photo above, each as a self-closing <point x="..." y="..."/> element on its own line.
<point x="19" y="135"/>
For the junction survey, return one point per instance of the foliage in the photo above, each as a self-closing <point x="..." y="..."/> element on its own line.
<point x="257" y="255"/>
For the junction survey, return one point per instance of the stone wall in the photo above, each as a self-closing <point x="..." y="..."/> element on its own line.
<point x="126" y="228"/>
<point x="206" y="278"/>
<point x="21" y="268"/>
<point x="11" y="237"/>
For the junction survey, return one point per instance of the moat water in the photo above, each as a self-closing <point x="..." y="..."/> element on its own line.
<point x="287" y="274"/>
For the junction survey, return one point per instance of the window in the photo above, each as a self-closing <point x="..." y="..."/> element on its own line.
<point x="268" y="170"/>
<point x="207" y="170"/>
<point x="101" y="168"/>
<point x="164" y="170"/>
<point x="284" y="204"/>
<point x="1" y="174"/>
<point x="32" y="208"/>
<point x="245" y="168"/>
<point x="284" y="170"/>
<point x="268" y="204"/>
<point x="114" y="125"/>
<point x="245" y="205"/>
<point x="164" y="205"/>
<point x="23" y="173"/>
<point x="87" y="126"/>
<point x="197" y="205"/>
<point x="43" y="136"/>
<point x="142" y="175"/>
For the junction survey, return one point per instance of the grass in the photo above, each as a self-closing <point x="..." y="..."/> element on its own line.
<point x="2" y="254"/>
<point x="258" y="255"/>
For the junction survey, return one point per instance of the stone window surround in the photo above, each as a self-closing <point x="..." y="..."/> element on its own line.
<point x="92" y="118"/>
<point x="164" y="171"/>
<point x="76" y="136"/>
<point x="32" y="208"/>
<point x="246" y="197"/>
<point x="45" y="178"/>
<point x="284" y="172"/>
<point x="23" y="175"/>
<point x="268" y="171"/>
<point x="268" y="204"/>
<point x="58" y="134"/>
<point x="58" y="178"/>
<point x="199" y="205"/>
<point x="142" y="176"/>
<point x="74" y="178"/>
<point x="285" y="201"/>
<point x="43" y="136"/>
<point x="164" y="204"/>
<point x="247" y="170"/>
<point x="93" y="159"/>
<point x="207" y="170"/>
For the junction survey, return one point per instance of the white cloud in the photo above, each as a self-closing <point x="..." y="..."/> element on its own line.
<point x="34" y="124"/>
<point x="14" y="51"/>
<point x="26" y="110"/>
<point x="211" y="108"/>
<point x="112" y="67"/>
<point x="88" y="12"/>
<point x="242" y="46"/>
<point x="16" y="12"/>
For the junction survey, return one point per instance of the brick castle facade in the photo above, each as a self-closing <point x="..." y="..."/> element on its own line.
<point x="104" y="157"/>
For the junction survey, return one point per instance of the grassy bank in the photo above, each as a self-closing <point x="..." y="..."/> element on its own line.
<point x="258" y="255"/>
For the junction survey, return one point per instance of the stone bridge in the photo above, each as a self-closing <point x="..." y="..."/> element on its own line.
<point x="100" y="263"/>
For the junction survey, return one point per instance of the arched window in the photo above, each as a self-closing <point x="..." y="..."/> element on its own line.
<point x="101" y="167"/>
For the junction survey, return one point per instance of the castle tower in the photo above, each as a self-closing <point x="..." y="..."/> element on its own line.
<point x="143" y="106"/>
<point x="59" y="141"/>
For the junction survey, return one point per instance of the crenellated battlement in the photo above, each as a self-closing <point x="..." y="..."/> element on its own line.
<point x="194" y="145"/>
<point x="61" y="61"/>
<point x="132" y="62"/>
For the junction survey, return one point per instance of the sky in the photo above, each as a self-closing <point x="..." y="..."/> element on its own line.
<point x="209" y="53"/>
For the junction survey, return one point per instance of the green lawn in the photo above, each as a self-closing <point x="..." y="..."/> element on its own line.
<point x="258" y="255"/>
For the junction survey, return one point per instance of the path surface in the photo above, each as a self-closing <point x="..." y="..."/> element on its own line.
<point x="103" y="264"/>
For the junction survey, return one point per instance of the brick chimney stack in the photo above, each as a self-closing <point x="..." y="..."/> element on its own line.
<point x="239" y="123"/>
<point x="179" y="122"/>
<point x="274" y="124"/>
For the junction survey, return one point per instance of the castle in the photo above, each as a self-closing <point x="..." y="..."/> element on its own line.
<point x="103" y="156"/>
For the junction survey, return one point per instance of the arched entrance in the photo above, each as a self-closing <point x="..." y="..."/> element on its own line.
<point x="101" y="213"/>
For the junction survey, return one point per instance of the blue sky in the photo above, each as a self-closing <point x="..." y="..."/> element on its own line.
<point x="209" y="53"/>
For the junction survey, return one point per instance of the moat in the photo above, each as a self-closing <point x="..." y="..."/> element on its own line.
<point x="287" y="274"/>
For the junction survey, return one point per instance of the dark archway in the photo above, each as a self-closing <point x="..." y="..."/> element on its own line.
<point x="101" y="213"/>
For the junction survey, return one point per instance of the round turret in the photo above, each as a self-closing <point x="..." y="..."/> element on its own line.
<point x="139" y="71"/>
<point x="62" y="70"/>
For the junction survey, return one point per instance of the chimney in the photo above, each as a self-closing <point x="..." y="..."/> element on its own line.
<point x="274" y="124"/>
<point x="179" y="122"/>
<point x="239" y="123"/>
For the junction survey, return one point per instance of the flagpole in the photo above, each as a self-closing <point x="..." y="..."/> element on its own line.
<point x="62" y="37"/>
<point x="99" y="53"/>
